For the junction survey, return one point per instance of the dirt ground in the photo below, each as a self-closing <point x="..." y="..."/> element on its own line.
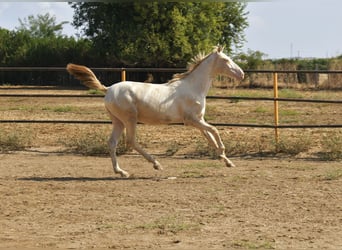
<point x="67" y="201"/>
<point x="51" y="198"/>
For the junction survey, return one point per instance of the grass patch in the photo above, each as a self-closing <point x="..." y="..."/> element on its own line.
<point x="14" y="141"/>
<point x="250" y="93"/>
<point x="63" y="109"/>
<point x="333" y="175"/>
<point x="332" y="146"/>
<point x="167" y="224"/>
<point x="192" y="174"/>
<point x="238" y="146"/>
<point x="290" y="93"/>
<point x="288" y="112"/>
<point x="94" y="144"/>
<point x="94" y="92"/>
<point x="247" y="146"/>
<point x="22" y="108"/>
<point x="172" y="149"/>
<point x="260" y="110"/>
<point x="200" y="165"/>
<point x="203" y="149"/>
<point x="293" y="145"/>
<point x="60" y="109"/>
<point x="290" y="144"/>
<point x="246" y="244"/>
<point x="210" y="112"/>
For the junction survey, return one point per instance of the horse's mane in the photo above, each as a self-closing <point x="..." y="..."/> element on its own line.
<point x="194" y="63"/>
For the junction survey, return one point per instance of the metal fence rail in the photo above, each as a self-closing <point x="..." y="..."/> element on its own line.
<point x="208" y="97"/>
<point x="62" y="69"/>
<point x="246" y="125"/>
<point x="275" y="99"/>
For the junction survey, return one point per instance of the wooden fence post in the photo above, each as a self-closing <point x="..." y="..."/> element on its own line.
<point x="123" y="75"/>
<point x="123" y="79"/>
<point x="276" y="108"/>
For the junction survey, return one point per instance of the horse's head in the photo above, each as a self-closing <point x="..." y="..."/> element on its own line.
<point x="224" y="65"/>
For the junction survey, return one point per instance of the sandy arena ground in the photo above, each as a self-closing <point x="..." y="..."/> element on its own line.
<point x="51" y="198"/>
<point x="68" y="201"/>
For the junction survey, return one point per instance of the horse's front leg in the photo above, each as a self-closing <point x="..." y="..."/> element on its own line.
<point x="213" y="137"/>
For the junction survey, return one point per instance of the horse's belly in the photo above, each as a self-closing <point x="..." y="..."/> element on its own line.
<point x="152" y="104"/>
<point x="158" y="116"/>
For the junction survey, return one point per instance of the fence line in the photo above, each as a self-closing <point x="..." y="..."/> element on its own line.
<point x="208" y="97"/>
<point x="123" y="71"/>
<point x="105" y="69"/>
<point x="246" y="125"/>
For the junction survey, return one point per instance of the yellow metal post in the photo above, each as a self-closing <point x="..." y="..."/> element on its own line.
<point x="276" y="107"/>
<point x="123" y="75"/>
<point x="123" y="78"/>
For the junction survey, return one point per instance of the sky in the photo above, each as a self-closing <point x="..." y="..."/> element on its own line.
<point x="279" y="28"/>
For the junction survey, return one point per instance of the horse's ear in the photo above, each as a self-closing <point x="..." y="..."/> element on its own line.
<point x="220" y="48"/>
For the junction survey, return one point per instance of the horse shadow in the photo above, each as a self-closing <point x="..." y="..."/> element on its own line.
<point x="86" y="179"/>
<point x="109" y="178"/>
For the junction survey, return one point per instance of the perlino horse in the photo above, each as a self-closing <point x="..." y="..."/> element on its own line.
<point x="181" y="100"/>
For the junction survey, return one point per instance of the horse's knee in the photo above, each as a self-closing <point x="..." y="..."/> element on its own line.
<point x="221" y="151"/>
<point x="130" y="142"/>
<point x="112" y="143"/>
<point x="213" y="130"/>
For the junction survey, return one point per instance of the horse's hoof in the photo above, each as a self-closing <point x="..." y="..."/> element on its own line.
<point x="230" y="165"/>
<point x="124" y="174"/>
<point x="157" y="166"/>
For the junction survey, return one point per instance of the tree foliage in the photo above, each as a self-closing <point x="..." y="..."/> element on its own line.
<point x="41" y="26"/>
<point x="38" y="41"/>
<point x="251" y="60"/>
<point x="19" y="48"/>
<point x="159" y="34"/>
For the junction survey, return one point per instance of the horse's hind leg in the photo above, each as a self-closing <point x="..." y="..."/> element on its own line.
<point x="131" y="140"/>
<point x="113" y="141"/>
<point x="210" y="138"/>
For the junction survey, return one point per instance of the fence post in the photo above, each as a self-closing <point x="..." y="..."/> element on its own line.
<point x="123" y="74"/>
<point x="276" y="108"/>
<point x="123" y="78"/>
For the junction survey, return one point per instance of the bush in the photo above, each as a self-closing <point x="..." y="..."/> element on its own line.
<point x="13" y="142"/>
<point x="94" y="144"/>
<point x="293" y="146"/>
<point x="333" y="147"/>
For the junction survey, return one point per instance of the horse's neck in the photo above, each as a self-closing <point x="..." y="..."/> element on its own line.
<point x="199" y="81"/>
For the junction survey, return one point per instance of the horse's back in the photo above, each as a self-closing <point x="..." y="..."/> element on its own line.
<point x="150" y="103"/>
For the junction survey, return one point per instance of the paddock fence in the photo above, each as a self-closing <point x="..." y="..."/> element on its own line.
<point x="123" y="75"/>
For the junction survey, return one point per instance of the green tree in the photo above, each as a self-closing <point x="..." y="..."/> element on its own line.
<point x="251" y="60"/>
<point x="159" y="34"/>
<point x="13" y="46"/>
<point x="56" y="51"/>
<point x="5" y="41"/>
<point x="20" y="48"/>
<point x="41" y="26"/>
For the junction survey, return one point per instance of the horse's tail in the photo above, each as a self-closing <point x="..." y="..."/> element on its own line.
<point x="86" y="76"/>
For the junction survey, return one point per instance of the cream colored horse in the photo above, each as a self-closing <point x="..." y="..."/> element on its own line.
<point x="181" y="100"/>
